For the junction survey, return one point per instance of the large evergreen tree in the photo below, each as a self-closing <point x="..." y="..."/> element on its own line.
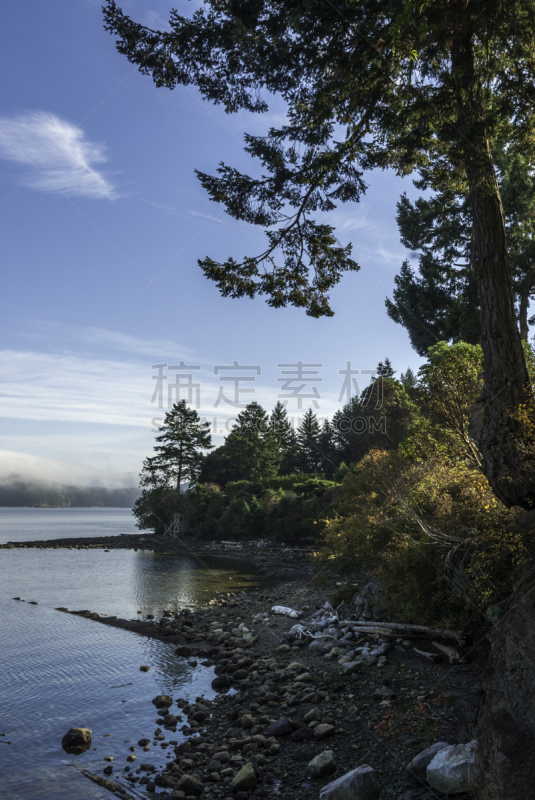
<point x="374" y="83"/>
<point x="250" y="452"/>
<point x="177" y="459"/>
<point x="328" y="455"/>
<point x="441" y="302"/>
<point x="309" y="457"/>
<point x="180" y="447"/>
<point x="286" y="438"/>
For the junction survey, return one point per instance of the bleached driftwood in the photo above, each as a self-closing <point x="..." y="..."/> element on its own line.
<point x="453" y="655"/>
<point x="430" y="656"/>
<point x="285" y="611"/>
<point x="441" y="633"/>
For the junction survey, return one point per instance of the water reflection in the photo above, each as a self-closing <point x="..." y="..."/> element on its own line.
<point x="164" y="581"/>
<point x="121" y="582"/>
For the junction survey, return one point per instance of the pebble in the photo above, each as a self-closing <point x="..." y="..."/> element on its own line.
<point x="323" y="731"/>
<point x="322" y="765"/>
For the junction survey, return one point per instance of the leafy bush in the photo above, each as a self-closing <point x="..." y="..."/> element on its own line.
<point x="441" y="542"/>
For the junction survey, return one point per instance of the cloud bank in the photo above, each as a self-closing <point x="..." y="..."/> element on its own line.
<point x="60" y="157"/>
<point x="16" y="466"/>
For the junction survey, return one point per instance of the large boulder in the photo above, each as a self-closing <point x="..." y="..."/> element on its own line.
<point x="359" y="784"/>
<point x="418" y="767"/>
<point x="245" y="779"/>
<point x="454" y="769"/>
<point x="322" y="765"/>
<point x="76" y="741"/>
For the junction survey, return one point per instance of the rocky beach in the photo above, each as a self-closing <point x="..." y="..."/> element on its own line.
<point x="334" y="691"/>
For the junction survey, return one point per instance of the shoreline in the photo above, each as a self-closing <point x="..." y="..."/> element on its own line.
<point x="262" y="554"/>
<point x="280" y="702"/>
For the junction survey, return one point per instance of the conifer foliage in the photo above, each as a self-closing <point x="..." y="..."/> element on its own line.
<point x="179" y="450"/>
<point x="367" y="84"/>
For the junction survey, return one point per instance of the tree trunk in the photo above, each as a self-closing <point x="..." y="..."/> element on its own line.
<point x="509" y="459"/>
<point x="179" y="475"/>
<point x="507" y="723"/>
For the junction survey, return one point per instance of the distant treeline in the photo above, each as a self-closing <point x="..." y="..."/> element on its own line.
<point x="21" y="493"/>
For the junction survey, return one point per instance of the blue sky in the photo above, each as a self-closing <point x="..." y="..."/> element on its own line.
<point x="103" y="222"/>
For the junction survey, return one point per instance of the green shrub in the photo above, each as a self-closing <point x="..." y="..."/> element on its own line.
<point x="440" y="541"/>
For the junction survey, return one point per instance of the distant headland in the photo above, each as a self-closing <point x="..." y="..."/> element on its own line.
<point x="48" y="495"/>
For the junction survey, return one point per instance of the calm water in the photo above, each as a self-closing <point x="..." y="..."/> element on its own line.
<point x="21" y="524"/>
<point x="60" y="671"/>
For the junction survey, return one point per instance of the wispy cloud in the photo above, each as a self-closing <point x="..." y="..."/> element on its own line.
<point x="179" y="212"/>
<point x="63" y="339"/>
<point x="58" y="153"/>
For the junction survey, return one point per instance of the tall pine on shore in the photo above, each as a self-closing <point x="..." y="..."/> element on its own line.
<point x="178" y="455"/>
<point x="181" y="443"/>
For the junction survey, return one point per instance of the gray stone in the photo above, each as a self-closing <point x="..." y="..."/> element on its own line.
<point x="323" y="731"/>
<point x="245" y="779"/>
<point x="350" y="667"/>
<point x="76" y="741"/>
<point x="322" y="765"/>
<point x="282" y="727"/>
<point x="189" y="785"/>
<point x="418" y="767"/>
<point x="359" y="784"/>
<point x="314" y="713"/>
<point x="454" y="769"/>
<point x="384" y="693"/>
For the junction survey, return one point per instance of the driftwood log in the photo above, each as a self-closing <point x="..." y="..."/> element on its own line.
<point x="389" y="628"/>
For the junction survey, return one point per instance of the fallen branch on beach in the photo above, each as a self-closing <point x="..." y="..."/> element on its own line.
<point x="287" y="612"/>
<point x="453" y="655"/>
<point x="389" y="628"/>
<point x="430" y="656"/>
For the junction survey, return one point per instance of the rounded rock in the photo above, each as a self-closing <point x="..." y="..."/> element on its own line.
<point x="76" y="741"/>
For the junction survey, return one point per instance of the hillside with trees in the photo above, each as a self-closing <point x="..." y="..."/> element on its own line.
<point x="18" y="492"/>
